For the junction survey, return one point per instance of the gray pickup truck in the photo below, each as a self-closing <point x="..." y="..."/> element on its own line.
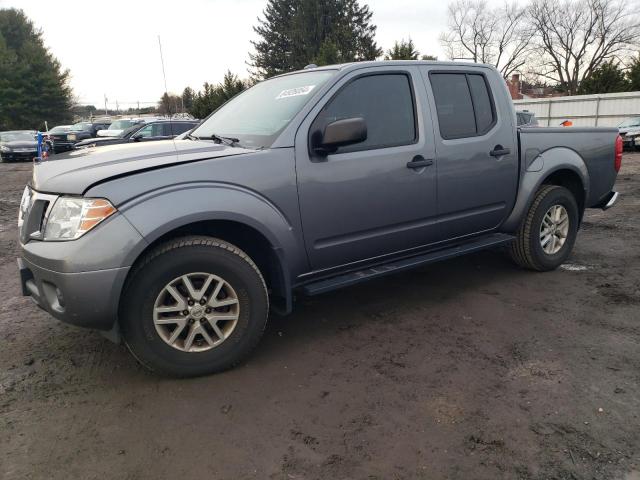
<point x="305" y="183"/>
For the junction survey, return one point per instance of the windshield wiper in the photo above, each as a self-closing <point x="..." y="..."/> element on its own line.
<point x="230" y="141"/>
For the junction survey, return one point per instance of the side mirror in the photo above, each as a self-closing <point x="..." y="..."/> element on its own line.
<point x="136" y="137"/>
<point x="339" y="134"/>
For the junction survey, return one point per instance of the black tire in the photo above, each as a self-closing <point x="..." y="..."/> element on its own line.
<point x="527" y="250"/>
<point x="171" y="260"/>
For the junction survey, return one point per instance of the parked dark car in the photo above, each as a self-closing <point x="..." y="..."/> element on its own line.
<point x="159" y="130"/>
<point x="64" y="138"/>
<point x="526" y="118"/>
<point x="304" y="183"/>
<point x="18" y="145"/>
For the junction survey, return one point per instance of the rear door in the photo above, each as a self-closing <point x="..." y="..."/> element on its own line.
<point x="476" y="149"/>
<point x="364" y="201"/>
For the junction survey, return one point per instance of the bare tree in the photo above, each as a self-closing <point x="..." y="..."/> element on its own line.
<point x="575" y="37"/>
<point x="497" y="36"/>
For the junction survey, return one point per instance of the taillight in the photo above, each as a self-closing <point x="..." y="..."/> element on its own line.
<point x="617" y="163"/>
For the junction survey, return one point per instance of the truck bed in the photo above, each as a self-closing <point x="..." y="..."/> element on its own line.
<point x="594" y="147"/>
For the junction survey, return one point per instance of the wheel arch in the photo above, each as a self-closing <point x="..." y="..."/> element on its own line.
<point x="268" y="257"/>
<point x="236" y="215"/>
<point x="557" y="166"/>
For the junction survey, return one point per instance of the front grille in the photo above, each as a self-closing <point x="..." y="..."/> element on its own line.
<point x="19" y="156"/>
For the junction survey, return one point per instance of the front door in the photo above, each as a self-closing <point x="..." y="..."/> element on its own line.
<point x="368" y="200"/>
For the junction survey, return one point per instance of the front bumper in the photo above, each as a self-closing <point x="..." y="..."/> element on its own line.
<point x="19" y="156"/>
<point x="59" y="147"/>
<point x="79" y="281"/>
<point x="87" y="299"/>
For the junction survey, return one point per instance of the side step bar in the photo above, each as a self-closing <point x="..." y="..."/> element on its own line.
<point x="351" y="278"/>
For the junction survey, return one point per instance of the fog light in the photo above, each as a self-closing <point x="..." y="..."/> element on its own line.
<point x="60" y="297"/>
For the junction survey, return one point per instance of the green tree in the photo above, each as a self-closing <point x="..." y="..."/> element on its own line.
<point x="608" y="78"/>
<point x="402" y="50"/>
<point x="294" y="33"/>
<point x="633" y="75"/>
<point x="188" y="97"/>
<point x="211" y="97"/>
<point x="33" y="86"/>
<point x="429" y="57"/>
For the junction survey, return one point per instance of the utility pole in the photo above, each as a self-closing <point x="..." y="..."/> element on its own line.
<point x="106" y="111"/>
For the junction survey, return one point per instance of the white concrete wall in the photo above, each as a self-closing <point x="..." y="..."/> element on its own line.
<point x="603" y="110"/>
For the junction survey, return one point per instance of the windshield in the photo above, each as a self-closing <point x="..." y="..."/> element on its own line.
<point x="60" y="129"/>
<point x="80" y="127"/>
<point x="630" y="122"/>
<point x="258" y="115"/>
<point x="121" y="124"/>
<point x="17" y="137"/>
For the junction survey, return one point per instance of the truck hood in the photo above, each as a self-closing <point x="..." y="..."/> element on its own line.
<point x="74" y="172"/>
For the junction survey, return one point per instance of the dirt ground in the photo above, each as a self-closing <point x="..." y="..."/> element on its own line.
<point x="469" y="369"/>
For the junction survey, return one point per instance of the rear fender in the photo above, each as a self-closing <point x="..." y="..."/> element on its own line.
<point x="539" y="168"/>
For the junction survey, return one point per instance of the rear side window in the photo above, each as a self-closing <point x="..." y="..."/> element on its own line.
<point x="464" y="104"/>
<point x="385" y="102"/>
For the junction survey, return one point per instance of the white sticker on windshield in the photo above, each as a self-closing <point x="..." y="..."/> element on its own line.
<point x="295" y="92"/>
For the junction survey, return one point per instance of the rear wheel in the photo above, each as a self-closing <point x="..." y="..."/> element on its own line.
<point x="548" y="232"/>
<point x="194" y="306"/>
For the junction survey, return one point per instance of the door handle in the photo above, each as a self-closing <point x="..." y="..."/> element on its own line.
<point x="419" y="162"/>
<point x="499" y="151"/>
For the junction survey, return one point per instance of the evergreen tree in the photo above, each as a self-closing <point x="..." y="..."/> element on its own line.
<point x="211" y="97"/>
<point x="33" y="86"/>
<point x="608" y="78"/>
<point x="633" y="75"/>
<point x="402" y="51"/>
<point x="294" y="33"/>
<point x="188" y="96"/>
<point x="429" y="57"/>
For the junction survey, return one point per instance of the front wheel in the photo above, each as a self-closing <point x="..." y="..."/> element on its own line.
<point x="548" y="232"/>
<point x="194" y="306"/>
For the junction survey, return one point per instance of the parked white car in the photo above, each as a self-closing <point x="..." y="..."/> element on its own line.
<point x="119" y="126"/>
<point x="629" y="131"/>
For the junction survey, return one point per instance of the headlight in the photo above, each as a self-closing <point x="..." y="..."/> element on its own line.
<point x="4" y="149"/>
<point x="70" y="217"/>
<point x="25" y="203"/>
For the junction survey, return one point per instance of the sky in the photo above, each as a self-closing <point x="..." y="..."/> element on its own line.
<point x="111" y="46"/>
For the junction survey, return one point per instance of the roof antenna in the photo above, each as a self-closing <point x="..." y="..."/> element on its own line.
<point x="166" y="92"/>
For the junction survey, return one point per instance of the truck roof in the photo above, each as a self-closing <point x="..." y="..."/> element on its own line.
<point x="386" y="63"/>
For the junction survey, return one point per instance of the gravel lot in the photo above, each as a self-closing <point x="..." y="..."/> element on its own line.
<point x="469" y="369"/>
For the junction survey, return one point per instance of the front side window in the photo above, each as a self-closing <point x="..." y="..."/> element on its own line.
<point x="384" y="101"/>
<point x="257" y="116"/>
<point x="463" y="103"/>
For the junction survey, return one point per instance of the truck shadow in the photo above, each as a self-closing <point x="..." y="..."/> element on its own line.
<point x="394" y="298"/>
